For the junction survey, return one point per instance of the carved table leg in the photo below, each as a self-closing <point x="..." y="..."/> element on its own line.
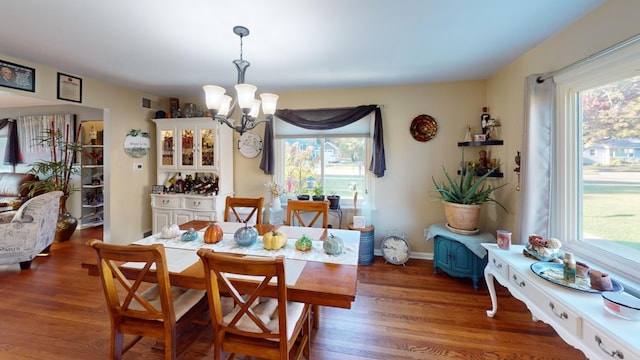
<point x="488" y="277"/>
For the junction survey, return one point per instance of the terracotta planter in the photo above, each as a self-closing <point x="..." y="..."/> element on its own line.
<point x="462" y="217"/>
<point x="66" y="223"/>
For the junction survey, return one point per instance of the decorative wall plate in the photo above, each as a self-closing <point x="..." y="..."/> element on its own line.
<point x="136" y="143"/>
<point x="250" y="144"/>
<point x="423" y="128"/>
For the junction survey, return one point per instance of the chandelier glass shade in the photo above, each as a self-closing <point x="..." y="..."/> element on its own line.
<point x="222" y="106"/>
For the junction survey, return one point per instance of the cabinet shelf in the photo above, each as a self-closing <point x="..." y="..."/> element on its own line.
<point x="481" y="143"/>
<point x="89" y="186"/>
<point x="93" y="206"/>
<point x="492" y="175"/>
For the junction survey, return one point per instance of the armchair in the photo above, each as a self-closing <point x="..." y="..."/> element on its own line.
<point x="30" y="230"/>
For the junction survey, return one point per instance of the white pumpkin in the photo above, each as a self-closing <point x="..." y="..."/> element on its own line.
<point x="169" y="231"/>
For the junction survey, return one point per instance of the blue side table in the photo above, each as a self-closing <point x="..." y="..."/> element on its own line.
<point x="459" y="255"/>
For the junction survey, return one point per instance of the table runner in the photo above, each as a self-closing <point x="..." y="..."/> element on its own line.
<point x="350" y="238"/>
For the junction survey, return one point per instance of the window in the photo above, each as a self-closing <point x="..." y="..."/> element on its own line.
<point x="597" y="173"/>
<point x="334" y="164"/>
<point x="335" y="160"/>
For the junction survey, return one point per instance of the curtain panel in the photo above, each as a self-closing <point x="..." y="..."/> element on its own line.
<point x="537" y="158"/>
<point x="327" y="119"/>
<point x="12" y="154"/>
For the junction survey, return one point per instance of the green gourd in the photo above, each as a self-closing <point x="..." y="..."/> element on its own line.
<point x="333" y="245"/>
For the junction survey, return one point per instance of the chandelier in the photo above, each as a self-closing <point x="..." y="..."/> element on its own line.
<point x="220" y="106"/>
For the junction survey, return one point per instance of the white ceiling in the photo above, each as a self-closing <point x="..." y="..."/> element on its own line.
<point x="172" y="48"/>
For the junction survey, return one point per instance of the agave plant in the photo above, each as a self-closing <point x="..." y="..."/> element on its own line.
<point x="467" y="188"/>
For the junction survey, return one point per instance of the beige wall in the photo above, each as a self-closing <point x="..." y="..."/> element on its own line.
<point x="128" y="207"/>
<point x="404" y="200"/>
<point x="609" y="24"/>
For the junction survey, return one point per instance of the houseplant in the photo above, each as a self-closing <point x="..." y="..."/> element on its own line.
<point x="54" y="174"/>
<point x="463" y="196"/>
<point x="318" y="194"/>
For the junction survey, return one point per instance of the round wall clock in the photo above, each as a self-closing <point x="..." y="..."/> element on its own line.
<point x="395" y="249"/>
<point x="250" y="144"/>
<point x="423" y="128"/>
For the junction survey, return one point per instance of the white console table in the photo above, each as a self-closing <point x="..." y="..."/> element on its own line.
<point x="578" y="317"/>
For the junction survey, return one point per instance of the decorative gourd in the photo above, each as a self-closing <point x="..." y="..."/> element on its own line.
<point x="189" y="235"/>
<point x="274" y="240"/>
<point x="246" y="236"/>
<point x="333" y="245"/>
<point x="213" y="234"/>
<point x="169" y="231"/>
<point x="304" y="243"/>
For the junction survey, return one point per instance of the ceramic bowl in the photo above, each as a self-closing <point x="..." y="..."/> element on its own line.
<point x="622" y="304"/>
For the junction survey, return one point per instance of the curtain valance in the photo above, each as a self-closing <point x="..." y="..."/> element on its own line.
<point x="326" y="119"/>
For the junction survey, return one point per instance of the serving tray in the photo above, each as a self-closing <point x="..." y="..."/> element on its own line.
<point x="553" y="272"/>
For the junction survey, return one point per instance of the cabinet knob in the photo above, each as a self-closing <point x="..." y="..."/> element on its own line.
<point x="196" y="203"/>
<point x="165" y="202"/>
<point x="497" y="264"/>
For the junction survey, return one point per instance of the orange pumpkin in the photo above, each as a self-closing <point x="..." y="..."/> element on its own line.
<point x="213" y="234"/>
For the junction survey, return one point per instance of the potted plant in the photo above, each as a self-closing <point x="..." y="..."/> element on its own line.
<point x="334" y="201"/>
<point x="318" y="194"/>
<point x="54" y="174"/>
<point x="463" y="196"/>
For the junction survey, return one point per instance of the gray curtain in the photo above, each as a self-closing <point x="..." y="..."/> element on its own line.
<point x="12" y="154"/>
<point x="537" y="158"/>
<point x="326" y="119"/>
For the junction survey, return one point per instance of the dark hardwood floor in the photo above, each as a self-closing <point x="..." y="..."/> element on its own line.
<point x="56" y="311"/>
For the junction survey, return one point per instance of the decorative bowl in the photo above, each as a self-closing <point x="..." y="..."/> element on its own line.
<point x="622" y="304"/>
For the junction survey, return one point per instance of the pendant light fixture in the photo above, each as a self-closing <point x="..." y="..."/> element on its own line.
<point x="220" y="106"/>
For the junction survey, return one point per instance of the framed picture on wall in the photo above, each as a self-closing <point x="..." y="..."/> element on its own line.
<point x="69" y="88"/>
<point x="17" y="76"/>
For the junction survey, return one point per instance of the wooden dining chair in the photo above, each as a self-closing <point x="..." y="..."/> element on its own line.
<point x="233" y="204"/>
<point x="297" y="208"/>
<point x="137" y="307"/>
<point x="254" y="323"/>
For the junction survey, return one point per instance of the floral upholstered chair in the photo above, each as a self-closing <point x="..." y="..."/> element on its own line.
<point x="30" y="230"/>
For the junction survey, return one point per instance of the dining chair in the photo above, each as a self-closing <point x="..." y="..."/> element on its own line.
<point x="140" y="308"/>
<point x="234" y="204"/>
<point x="303" y="209"/>
<point x="254" y="323"/>
<point x="295" y="209"/>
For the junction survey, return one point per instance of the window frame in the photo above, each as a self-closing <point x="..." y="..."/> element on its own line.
<point x="345" y="203"/>
<point x="566" y="195"/>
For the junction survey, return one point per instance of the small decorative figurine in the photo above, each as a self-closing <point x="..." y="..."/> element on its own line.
<point x="467" y="134"/>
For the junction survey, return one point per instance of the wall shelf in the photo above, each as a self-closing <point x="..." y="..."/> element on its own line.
<point x="481" y="143"/>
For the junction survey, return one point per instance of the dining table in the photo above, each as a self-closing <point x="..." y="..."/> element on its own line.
<point x="313" y="277"/>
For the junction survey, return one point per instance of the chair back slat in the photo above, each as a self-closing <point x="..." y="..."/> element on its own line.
<point x="301" y="209"/>
<point x="232" y="204"/>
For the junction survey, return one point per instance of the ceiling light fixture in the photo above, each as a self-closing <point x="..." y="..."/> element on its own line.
<point x="220" y="106"/>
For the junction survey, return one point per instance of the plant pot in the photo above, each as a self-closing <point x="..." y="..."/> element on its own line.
<point x="334" y="201"/>
<point x="303" y="197"/>
<point x="462" y="217"/>
<point x="318" y="197"/>
<point x="66" y="223"/>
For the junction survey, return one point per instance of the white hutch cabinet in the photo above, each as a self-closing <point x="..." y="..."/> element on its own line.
<point x="192" y="146"/>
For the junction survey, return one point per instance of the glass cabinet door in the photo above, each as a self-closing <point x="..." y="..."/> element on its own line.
<point x="187" y="147"/>
<point x="207" y="142"/>
<point x="167" y="150"/>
